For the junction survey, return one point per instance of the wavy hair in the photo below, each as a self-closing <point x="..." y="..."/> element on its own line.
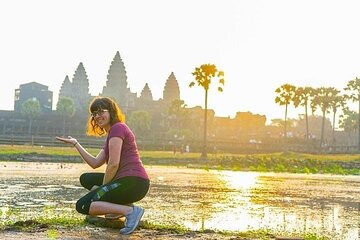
<point x="116" y="115"/>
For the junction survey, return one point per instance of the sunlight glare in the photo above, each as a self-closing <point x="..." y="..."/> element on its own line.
<point x="240" y="180"/>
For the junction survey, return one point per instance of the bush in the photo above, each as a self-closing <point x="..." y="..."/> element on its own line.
<point x="261" y="168"/>
<point x="279" y="168"/>
<point x="306" y="170"/>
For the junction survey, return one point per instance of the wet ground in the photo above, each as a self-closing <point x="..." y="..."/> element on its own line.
<point x="198" y="199"/>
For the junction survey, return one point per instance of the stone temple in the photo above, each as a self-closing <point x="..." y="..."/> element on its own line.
<point x="116" y="87"/>
<point x="162" y="121"/>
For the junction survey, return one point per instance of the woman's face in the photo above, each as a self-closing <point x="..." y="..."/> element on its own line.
<point x="101" y="117"/>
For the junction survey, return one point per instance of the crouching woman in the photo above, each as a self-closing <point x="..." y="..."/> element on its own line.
<point x="125" y="180"/>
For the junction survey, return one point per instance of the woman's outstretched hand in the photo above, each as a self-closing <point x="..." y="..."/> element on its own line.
<point x="69" y="140"/>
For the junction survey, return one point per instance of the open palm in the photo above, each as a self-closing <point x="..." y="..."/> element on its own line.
<point x="68" y="139"/>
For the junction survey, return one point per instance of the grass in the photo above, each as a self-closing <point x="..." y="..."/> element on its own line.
<point x="25" y="149"/>
<point x="51" y="225"/>
<point x="271" y="162"/>
<point x="67" y="150"/>
<point x="51" y="222"/>
<point x="323" y="157"/>
<point x="70" y="151"/>
<point x="41" y="222"/>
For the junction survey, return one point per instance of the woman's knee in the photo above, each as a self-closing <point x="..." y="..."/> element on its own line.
<point x="83" y="206"/>
<point x="84" y="180"/>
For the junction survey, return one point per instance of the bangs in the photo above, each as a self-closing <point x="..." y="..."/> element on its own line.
<point x="99" y="104"/>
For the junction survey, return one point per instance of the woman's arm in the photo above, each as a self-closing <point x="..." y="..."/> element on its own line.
<point x="93" y="162"/>
<point x="115" y="146"/>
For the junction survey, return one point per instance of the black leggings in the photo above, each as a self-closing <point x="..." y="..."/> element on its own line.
<point x="122" y="191"/>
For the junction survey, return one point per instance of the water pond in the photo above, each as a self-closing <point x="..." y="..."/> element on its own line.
<point x="198" y="199"/>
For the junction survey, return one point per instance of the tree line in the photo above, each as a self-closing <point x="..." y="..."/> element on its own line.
<point x="327" y="100"/>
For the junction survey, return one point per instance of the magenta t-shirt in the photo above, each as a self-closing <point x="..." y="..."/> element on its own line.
<point x="130" y="163"/>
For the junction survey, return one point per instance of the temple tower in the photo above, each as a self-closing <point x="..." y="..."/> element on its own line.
<point x="171" y="90"/>
<point x="80" y="89"/>
<point x="65" y="89"/>
<point x="146" y="94"/>
<point x="116" y="85"/>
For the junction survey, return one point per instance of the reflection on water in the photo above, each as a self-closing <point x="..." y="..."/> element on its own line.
<point x="289" y="203"/>
<point x="199" y="199"/>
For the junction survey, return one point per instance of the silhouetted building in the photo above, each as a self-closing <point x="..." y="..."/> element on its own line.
<point x="146" y="94"/>
<point x="249" y="123"/>
<point x="33" y="90"/>
<point x="66" y="88"/>
<point x="78" y="89"/>
<point x="171" y="90"/>
<point x="145" y="101"/>
<point x="117" y="86"/>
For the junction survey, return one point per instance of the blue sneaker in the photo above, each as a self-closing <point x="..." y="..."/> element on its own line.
<point x="132" y="220"/>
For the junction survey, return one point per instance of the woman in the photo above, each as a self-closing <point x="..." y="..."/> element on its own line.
<point x="125" y="180"/>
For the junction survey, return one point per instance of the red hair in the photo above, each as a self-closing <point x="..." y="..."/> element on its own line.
<point x="116" y="115"/>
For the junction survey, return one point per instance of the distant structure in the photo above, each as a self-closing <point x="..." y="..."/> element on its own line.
<point x="171" y="123"/>
<point x="145" y="101"/>
<point x="65" y="89"/>
<point x="117" y="86"/>
<point x="146" y="94"/>
<point x="245" y="125"/>
<point x="171" y="90"/>
<point x="78" y="89"/>
<point x="33" y="90"/>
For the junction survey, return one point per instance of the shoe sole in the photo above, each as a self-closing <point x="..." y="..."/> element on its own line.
<point x="113" y="217"/>
<point x="137" y="222"/>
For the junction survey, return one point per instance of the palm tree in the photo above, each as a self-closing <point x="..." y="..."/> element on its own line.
<point x="323" y="98"/>
<point x="353" y="87"/>
<point x="302" y="97"/>
<point x="337" y="101"/>
<point x="203" y="76"/>
<point x="349" y="122"/>
<point x="65" y="107"/>
<point x="286" y="94"/>
<point x="31" y="109"/>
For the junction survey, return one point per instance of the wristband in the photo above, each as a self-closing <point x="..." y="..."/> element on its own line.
<point x="75" y="144"/>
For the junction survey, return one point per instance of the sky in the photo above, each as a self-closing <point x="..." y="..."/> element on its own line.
<point x="260" y="45"/>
